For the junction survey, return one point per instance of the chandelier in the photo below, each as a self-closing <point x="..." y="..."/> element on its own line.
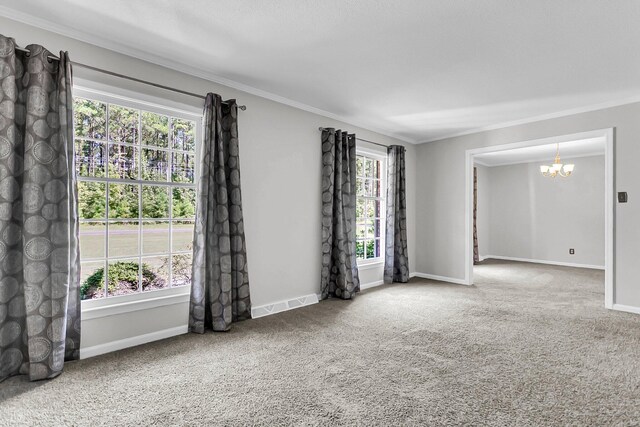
<point x="557" y="168"/>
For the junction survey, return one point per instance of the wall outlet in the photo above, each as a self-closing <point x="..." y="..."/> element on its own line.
<point x="572" y="251"/>
<point x="622" y="197"/>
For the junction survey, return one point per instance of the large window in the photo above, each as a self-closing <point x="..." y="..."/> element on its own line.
<point x="369" y="207"/>
<point x="136" y="184"/>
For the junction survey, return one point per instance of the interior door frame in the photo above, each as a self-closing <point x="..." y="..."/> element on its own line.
<point x="609" y="214"/>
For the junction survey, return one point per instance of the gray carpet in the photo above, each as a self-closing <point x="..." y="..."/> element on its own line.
<point x="527" y="345"/>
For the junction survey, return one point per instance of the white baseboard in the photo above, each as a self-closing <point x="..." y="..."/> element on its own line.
<point x="540" y="261"/>
<point x="131" y="342"/>
<point x="371" y="285"/>
<point x="277" y="307"/>
<point x="441" y="278"/>
<point x="627" y="308"/>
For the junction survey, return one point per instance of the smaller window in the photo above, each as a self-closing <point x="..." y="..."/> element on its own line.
<point x="369" y="208"/>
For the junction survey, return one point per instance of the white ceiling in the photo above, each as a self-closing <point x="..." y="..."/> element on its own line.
<point x="416" y="69"/>
<point x="543" y="153"/>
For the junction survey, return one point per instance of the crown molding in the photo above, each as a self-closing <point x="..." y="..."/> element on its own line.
<point x="570" y="112"/>
<point x="123" y="49"/>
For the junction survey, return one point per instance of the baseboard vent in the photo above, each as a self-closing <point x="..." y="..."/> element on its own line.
<point x="277" y="307"/>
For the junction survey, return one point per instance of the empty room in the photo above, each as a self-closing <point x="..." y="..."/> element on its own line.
<point x="324" y="213"/>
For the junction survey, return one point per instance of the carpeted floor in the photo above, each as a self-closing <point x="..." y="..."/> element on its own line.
<point x="527" y="345"/>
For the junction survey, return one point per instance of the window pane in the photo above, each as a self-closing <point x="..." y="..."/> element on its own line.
<point x="376" y="226"/>
<point x="91" y="158"/>
<point x="184" y="203"/>
<point x="182" y="234"/>
<point x="371" y="249"/>
<point x="359" y="166"/>
<point x="123" y="124"/>
<point x="155" y="201"/>
<point x="376" y="188"/>
<point x="369" y="229"/>
<point x="123" y="200"/>
<point x="368" y="167"/>
<point x="368" y="188"/>
<point x="360" y="250"/>
<point x="372" y="207"/>
<point x="123" y="161"/>
<point x="92" y="280"/>
<point x="377" y="249"/>
<point x="92" y="240"/>
<point x="181" y="270"/>
<point x="360" y="203"/>
<point x="183" y="167"/>
<point x="90" y="118"/>
<point x="155" y="273"/>
<point x="360" y="231"/>
<point x="123" y="277"/>
<point x="155" y="129"/>
<point x="155" y="165"/>
<point x="184" y="134"/>
<point x="123" y="238"/>
<point x="376" y="169"/>
<point x="92" y="199"/>
<point x="360" y="187"/>
<point x="155" y="237"/>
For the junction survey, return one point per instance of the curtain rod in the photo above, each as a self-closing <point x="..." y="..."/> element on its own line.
<point x="359" y="139"/>
<point x="122" y="76"/>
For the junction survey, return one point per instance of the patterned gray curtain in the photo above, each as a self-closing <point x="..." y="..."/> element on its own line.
<point x="220" y="285"/>
<point x="476" y="254"/>
<point x="339" y="267"/>
<point x="39" y="255"/>
<point x="396" y="256"/>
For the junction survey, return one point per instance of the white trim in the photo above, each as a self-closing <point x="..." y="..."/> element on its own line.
<point x="608" y="135"/>
<point x="371" y="152"/>
<point x="377" y="263"/>
<point x="626" y="308"/>
<point x="97" y="312"/>
<point x="440" y="278"/>
<point x="99" y="349"/>
<point x="542" y="261"/>
<point x="371" y="285"/>
<point x="609" y="219"/>
<point x="379" y="283"/>
<point x="533" y="119"/>
<point x="579" y="156"/>
<point x="280" y="306"/>
<point x="101" y="92"/>
<point x="183" y="68"/>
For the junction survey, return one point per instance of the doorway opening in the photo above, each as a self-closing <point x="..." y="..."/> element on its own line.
<point x="529" y="207"/>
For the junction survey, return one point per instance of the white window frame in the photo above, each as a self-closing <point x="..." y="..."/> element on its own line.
<point x="382" y="158"/>
<point x="95" y="308"/>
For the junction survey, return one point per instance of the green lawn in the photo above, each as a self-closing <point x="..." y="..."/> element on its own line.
<point x="123" y="241"/>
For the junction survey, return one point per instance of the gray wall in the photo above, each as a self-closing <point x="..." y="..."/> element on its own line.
<point x="522" y="214"/>
<point x="281" y="179"/>
<point x="440" y="198"/>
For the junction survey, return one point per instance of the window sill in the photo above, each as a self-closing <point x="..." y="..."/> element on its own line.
<point x="371" y="264"/>
<point x="95" y="309"/>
